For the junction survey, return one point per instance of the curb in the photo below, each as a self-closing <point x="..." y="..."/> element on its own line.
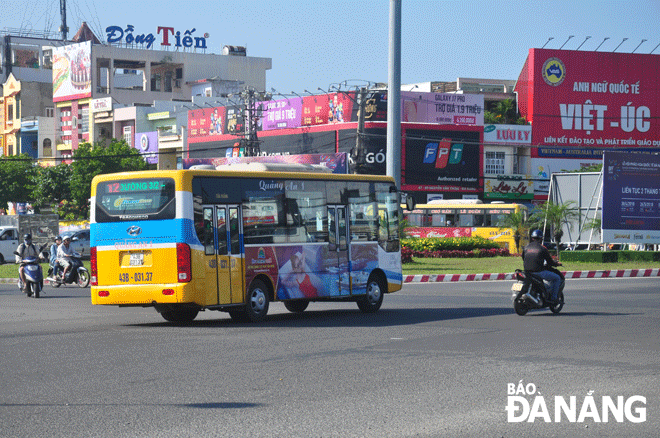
<point x="441" y="278"/>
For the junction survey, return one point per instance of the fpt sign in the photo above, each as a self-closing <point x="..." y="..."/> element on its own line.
<point x="442" y="160"/>
<point x="168" y="36"/>
<point x="443" y="153"/>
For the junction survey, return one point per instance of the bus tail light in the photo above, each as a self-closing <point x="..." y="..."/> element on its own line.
<point x="183" y="265"/>
<point x="92" y="261"/>
<point x="104" y="293"/>
<point x="168" y="291"/>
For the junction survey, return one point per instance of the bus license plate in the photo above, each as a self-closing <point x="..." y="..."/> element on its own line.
<point x="137" y="259"/>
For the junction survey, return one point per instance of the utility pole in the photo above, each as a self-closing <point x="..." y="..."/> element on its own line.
<point x="250" y="140"/>
<point x="63" y="28"/>
<point x="358" y="154"/>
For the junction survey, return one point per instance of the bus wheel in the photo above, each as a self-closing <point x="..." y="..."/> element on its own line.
<point x="372" y="301"/>
<point x="297" y="306"/>
<point x="257" y="302"/>
<point x="179" y="314"/>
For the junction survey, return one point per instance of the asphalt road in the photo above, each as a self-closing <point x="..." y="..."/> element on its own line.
<point x="437" y="360"/>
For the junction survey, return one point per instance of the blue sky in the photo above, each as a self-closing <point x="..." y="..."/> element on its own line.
<point x="314" y="44"/>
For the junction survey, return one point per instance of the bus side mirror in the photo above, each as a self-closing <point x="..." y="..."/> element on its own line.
<point x="410" y="202"/>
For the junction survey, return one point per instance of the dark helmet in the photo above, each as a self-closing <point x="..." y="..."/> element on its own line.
<point x="27" y="237"/>
<point x="58" y="238"/>
<point x="537" y="234"/>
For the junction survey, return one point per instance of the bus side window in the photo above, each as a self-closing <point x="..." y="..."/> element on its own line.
<point x="234" y="231"/>
<point x="207" y="232"/>
<point x="438" y="220"/>
<point x="332" y="231"/>
<point x="222" y="231"/>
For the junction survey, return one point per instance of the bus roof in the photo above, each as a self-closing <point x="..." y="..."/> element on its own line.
<point x="233" y="172"/>
<point x="470" y="206"/>
<point x="274" y="167"/>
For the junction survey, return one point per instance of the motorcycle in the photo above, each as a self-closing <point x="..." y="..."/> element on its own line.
<point x="77" y="274"/>
<point x="530" y="292"/>
<point x="34" y="278"/>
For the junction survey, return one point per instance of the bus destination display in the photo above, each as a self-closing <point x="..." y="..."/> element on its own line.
<point x="143" y="185"/>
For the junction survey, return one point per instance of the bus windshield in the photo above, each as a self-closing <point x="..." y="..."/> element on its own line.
<point x="140" y="199"/>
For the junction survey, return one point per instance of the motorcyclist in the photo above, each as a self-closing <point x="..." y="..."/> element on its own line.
<point x="24" y="250"/>
<point x="537" y="259"/>
<point x="53" y="255"/>
<point x="64" y="254"/>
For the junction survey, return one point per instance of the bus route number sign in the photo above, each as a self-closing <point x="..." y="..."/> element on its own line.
<point x="135" y="186"/>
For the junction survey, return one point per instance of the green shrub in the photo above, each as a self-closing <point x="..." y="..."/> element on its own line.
<point x="588" y="256"/>
<point x="638" y="256"/>
<point x="431" y="244"/>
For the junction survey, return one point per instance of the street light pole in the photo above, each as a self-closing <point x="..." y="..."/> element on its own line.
<point x="394" y="95"/>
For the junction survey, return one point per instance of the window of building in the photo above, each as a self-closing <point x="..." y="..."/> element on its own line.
<point x="495" y="163"/>
<point x="49" y="112"/>
<point x="128" y="135"/>
<point x="84" y="121"/>
<point x="48" y="149"/>
<point x="47" y="61"/>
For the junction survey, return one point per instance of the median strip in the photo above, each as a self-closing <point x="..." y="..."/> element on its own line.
<point x="439" y="278"/>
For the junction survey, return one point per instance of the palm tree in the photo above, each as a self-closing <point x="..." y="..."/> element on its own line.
<point x="556" y="215"/>
<point x="517" y="221"/>
<point x="593" y="224"/>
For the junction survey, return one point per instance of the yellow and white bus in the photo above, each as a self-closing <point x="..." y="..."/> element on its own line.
<point x="465" y="219"/>
<point x="183" y="241"/>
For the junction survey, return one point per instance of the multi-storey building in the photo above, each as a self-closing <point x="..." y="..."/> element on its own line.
<point x="26" y="104"/>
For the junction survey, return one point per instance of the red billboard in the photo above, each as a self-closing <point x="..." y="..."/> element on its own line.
<point x="579" y="99"/>
<point x="206" y="124"/>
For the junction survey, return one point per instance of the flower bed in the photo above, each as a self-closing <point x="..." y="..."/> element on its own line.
<point x="461" y="247"/>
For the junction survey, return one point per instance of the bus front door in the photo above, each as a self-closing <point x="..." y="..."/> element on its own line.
<point x="339" y="246"/>
<point x="230" y="254"/>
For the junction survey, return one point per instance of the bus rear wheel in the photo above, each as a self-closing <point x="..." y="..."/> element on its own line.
<point x="257" y="301"/>
<point x="373" y="299"/>
<point x="296" y="306"/>
<point x="178" y="314"/>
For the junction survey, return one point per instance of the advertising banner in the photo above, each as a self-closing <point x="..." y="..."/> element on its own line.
<point x="509" y="187"/>
<point x="72" y="72"/>
<point x="234" y="120"/>
<point x="631" y="198"/>
<point x="147" y="144"/>
<point x="442" y="160"/>
<point x="281" y="114"/>
<point x="375" y="108"/>
<point x="206" y="123"/>
<point x="443" y="108"/>
<point x="100" y="105"/>
<point x="508" y="134"/>
<point x="580" y="99"/>
<point x="337" y="163"/>
<point x="329" y="108"/>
